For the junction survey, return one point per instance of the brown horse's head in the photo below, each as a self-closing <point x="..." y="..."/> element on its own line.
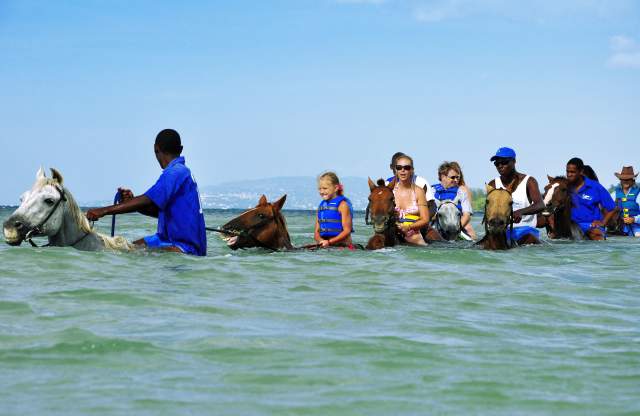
<point x="262" y="226"/>
<point x="382" y="205"/>
<point x="556" y="195"/>
<point x="498" y="210"/>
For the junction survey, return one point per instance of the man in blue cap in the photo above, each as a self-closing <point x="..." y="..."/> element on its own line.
<point x="527" y="201"/>
<point x="174" y="199"/>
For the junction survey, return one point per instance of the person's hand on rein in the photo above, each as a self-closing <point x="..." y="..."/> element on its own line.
<point x="95" y="214"/>
<point x="125" y="194"/>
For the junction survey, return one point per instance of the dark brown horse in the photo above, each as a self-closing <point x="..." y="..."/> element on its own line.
<point x="382" y="211"/>
<point x="498" y="218"/>
<point x="557" y="213"/>
<point x="262" y="226"/>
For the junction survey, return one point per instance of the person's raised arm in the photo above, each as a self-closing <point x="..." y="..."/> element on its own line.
<point x="135" y="204"/>
<point x="537" y="205"/>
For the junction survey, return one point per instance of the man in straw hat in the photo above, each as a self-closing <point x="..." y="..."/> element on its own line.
<point x="627" y="197"/>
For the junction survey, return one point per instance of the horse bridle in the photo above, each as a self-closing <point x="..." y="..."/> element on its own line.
<point x="37" y="230"/>
<point x="509" y="219"/>
<point x="448" y="201"/>
<point x="248" y="233"/>
<point x="391" y="215"/>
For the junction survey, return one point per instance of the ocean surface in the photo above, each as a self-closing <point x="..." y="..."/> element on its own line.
<point x="448" y="329"/>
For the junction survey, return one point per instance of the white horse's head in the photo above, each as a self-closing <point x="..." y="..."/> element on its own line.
<point x="448" y="218"/>
<point x="40" y="212"/>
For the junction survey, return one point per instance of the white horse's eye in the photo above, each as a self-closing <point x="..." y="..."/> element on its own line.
<point x="49" y="201"/>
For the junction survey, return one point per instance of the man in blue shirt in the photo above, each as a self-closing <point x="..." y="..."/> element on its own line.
<point x="588" y="197"/>
<point x="174" y="199"/>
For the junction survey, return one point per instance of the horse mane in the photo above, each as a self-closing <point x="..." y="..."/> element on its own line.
<point x="112" y="243"/>
<point x="560" y="178"/>
<point x="280" y="220"/>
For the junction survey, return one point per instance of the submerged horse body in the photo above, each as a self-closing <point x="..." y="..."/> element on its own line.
<point x="263" y="226"/>
<point x="447" y="219"/>
<point x="557" y="213"/>
<point x="49" y="210"/>
<point x="498" y="218"/>
<point x="382" y="211"/>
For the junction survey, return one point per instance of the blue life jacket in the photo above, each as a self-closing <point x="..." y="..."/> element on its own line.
<point x="627" y="203"/>
<point x="329" y="217"/>
<point x="442" y="194"/>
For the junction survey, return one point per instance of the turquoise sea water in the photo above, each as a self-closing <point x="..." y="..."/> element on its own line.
<point x="553" y="329"/>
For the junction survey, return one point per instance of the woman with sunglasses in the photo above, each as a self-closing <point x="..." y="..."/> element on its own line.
<point x="527" y="201"/>
<point x="411" y="203"/>
<point x="449" y="188"/>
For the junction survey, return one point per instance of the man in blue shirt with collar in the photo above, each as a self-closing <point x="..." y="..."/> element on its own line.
<point x="627" y="199"/>
<point x="174" y="199"/>
<point x="587" y="199"/>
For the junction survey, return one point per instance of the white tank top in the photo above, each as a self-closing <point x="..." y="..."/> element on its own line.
<point x="520" y="201"/>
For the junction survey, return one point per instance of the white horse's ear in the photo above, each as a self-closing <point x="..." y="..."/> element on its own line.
<point x="456" y="200"/>
<point x="438" y="203"/>
<point x="56" y="176"/>
<point x="40" y="174"/>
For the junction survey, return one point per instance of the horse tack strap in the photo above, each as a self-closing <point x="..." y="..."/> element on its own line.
<point x="37" y="229"/>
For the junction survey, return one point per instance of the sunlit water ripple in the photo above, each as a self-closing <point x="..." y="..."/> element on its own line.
<point x="553" y="329"/>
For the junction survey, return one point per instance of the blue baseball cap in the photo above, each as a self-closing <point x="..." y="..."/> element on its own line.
<point x="504" y="153"/>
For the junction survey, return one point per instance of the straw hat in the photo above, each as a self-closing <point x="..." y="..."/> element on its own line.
<point x="626" y="173"/>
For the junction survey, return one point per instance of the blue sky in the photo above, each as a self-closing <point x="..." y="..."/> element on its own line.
<point x="291" y="88"/>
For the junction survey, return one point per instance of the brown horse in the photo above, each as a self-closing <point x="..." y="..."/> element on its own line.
<point x="382" y="211"/>
<point x="498" y="217"/>
<point x="262" y="226"/>
<point x="557" y="213"/>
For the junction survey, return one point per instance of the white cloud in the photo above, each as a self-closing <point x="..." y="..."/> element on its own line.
<point x="361" y="1"/>
<point x="431" y="11"/>
<point x="625" y="53"/>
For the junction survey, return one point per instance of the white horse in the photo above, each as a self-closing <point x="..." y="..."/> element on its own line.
<point x="49" y="209"/>
<point x="447" y="220"/>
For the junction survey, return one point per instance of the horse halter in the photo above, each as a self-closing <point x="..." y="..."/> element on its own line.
<point x="437" y="223"/>
<point x="253" y="238"/>
<point x="391" y="215"/>
<point x="37" y="230"/>
<point x="509" y="218"/>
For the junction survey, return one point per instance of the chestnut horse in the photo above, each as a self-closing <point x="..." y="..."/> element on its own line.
<point x="557" y="213"/>
<point x="262" y="226"/>
<point x="498" y="217"/>
<point x="382" y="210"/>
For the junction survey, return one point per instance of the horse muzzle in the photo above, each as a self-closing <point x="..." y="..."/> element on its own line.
<point x="15" y="231"/>
<point x="379" y="224"/>
<point x="496" y="225"/>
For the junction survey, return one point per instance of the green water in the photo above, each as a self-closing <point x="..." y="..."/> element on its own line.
<point x="553" y="329"/>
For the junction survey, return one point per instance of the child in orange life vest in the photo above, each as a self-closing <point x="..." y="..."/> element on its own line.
<point x="334" y="222"/>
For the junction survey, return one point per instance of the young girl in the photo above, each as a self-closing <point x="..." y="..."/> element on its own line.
<point x="334" y="223"/>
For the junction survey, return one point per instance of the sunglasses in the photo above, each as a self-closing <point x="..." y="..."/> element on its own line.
<point x="454" y="178"/>
<point x="404" y="167"/>
<point x="502" y="162"/>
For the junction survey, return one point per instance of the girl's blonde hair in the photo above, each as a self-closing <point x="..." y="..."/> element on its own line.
<point x="333" y="178"/>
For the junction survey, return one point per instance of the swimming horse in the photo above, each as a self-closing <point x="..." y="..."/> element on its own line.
<point x="498" y="217"/>
<point x="263" y="226"/>
<point x="447" y="220"/>
<point x="381" y="209"/>
<point x="49" y="209"/>
<point x="557" y="212"/>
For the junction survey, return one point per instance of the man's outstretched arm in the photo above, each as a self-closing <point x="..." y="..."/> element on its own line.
<point x="140" y="204"/>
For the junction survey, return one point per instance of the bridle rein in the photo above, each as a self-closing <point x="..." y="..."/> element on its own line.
<point x="37" y="230"/>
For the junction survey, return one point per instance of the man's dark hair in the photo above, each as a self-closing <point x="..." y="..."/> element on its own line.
<point x="590" y="173"/>
<point x="168" y="141"/>
<point x="396" y="156"/>
<point x="577" y="162"/>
